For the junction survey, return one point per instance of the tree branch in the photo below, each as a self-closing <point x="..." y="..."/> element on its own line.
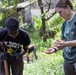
<point x="48" y="6"/>
<point x="47" y="9"/>
<point x="50" y="16"/>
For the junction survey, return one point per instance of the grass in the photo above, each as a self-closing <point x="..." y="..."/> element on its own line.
<point x="47" y="64"/>
<point x="51" y="64"/>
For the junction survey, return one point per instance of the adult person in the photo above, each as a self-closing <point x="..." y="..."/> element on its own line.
<point x="14" y="42"/>
<point x="68" y="42"/>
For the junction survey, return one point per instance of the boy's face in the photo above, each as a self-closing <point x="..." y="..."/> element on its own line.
<point x="13" y="33"/>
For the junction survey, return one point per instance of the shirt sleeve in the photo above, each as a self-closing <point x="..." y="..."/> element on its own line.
<point x="25" y="38"/>
<point x="62" y="31"/>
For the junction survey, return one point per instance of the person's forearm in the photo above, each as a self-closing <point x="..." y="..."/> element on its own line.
<point x="23" y="52"/>
<point x="71" y="43"/>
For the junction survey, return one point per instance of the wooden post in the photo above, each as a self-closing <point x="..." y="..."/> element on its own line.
<point x="6" y="67"/>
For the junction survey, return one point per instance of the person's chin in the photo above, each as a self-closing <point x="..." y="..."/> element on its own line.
<point x="13" y="37"/>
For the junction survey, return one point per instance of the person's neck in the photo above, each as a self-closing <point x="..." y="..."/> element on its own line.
<point x="71" y="15"/>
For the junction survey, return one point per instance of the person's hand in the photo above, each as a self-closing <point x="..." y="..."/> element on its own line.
<point x="50" y="50"/>
<point x="16" y="54"/>
<point x="60" y="44"/>
<point x="3" y="56"/>
<point x="19" y="54"/>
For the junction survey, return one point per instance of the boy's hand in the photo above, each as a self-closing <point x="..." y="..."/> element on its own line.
<point x="3" y="56"/>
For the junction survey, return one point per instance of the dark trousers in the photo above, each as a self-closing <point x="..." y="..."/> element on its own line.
<point x="16" y="65"/>
<point x="36" y="57"/>
<point x="2" y="72"/>
<point x="69" y="68"/>
<point x="34" y="51"/>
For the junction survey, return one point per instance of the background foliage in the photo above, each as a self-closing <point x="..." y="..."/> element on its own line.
<point x="46" y="64"/>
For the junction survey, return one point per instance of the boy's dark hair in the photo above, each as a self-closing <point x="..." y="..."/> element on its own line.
<point x="12" y="23"/>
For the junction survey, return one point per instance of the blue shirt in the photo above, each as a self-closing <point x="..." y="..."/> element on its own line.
<point x="69" y="34"/>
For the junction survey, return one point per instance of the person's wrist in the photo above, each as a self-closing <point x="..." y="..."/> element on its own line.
<point x="66" y="44"/>
<point x="21" y="54"/>
<point x="55" y="49"/>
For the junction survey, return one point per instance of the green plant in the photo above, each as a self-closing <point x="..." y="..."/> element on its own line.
<point x="54" y="24"/>
<point x="37" y="24"/>
<point x="74" y="4"/>
<point x="46" y="65"/>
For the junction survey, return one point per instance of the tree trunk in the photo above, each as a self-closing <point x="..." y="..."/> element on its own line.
<point x="21" y="1"/>
<point x="8" y="2"/>
<point x="43" y="21"/>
